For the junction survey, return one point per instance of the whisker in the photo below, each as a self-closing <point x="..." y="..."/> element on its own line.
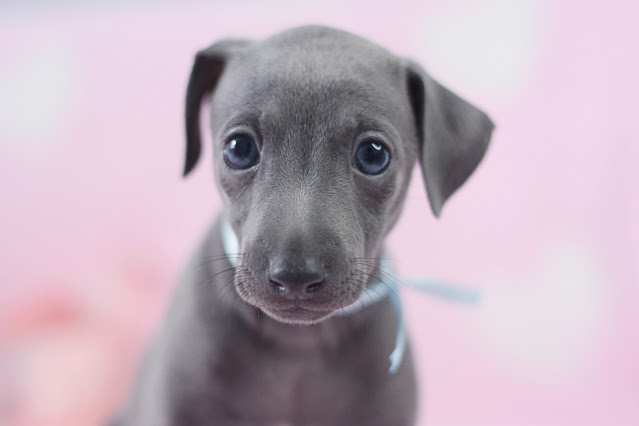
<point x="360" y="280"/>
<point x="217" y="258"/>
<point x="365" y="277"/>
<point x="225" y="284"/>
<point x="385" y="273"/>
<point x="241" y="286"/>
<point x="228" y="288"/>
<point x="224" y="255"/>
<point x="390" y="288"/>
<point x="372" y="258"/>
<point x="209" y="279"/>
<point x="358" y="285"/>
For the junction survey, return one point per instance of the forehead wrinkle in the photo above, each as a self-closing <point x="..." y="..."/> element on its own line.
<point x="308" y="125"/>
<point x="314" y="101"/>
<point x="311" y="142"/>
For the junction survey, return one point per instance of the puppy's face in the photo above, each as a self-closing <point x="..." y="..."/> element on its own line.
<point x="314" y="140"/>
<point x="313" y="165"/>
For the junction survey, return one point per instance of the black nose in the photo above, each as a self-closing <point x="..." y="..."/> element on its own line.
<point x="296" y="280"/>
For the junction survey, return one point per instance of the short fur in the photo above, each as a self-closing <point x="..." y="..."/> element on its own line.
<point x="232" y="350"/>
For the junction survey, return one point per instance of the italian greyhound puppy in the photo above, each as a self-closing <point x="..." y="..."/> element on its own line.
<point x="287" y="314"/>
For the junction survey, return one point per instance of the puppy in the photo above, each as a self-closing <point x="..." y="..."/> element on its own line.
<point x="287" y="314"/>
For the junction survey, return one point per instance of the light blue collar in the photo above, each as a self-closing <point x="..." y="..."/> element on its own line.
<point x="377" y="291"/>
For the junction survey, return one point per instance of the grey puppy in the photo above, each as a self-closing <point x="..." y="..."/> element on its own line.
<point x="315" y="134"/>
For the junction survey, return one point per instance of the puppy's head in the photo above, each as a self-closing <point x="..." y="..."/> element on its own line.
<point x="315" y="134"/>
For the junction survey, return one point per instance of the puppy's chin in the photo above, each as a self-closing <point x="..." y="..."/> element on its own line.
<point x="297" y="315"/>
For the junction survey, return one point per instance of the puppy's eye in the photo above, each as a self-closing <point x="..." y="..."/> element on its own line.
<point x="371" y="158"/>
<point x="241" y="152"/>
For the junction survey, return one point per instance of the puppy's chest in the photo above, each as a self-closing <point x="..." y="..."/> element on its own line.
<point x="283" y="389"/>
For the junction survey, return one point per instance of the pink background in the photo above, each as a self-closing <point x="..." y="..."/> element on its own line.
<point x="96" y="223"/>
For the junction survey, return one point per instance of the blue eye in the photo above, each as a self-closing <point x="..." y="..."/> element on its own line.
<point x="371" y="158"/>
<point x="241" y="152"/>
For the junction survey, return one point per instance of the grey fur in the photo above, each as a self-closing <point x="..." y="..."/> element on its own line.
<point x="233" y="351"/>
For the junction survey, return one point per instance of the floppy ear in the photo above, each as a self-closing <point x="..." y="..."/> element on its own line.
<point x="453" y="135"/>
<point x="207" y="70"/>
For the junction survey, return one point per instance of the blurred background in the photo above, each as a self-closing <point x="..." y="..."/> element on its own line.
<point x="96" y="222"/>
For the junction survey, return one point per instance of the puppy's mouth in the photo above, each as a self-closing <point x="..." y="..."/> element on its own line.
<point x="299" y="314"/>
<point x="300" y="310"/>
